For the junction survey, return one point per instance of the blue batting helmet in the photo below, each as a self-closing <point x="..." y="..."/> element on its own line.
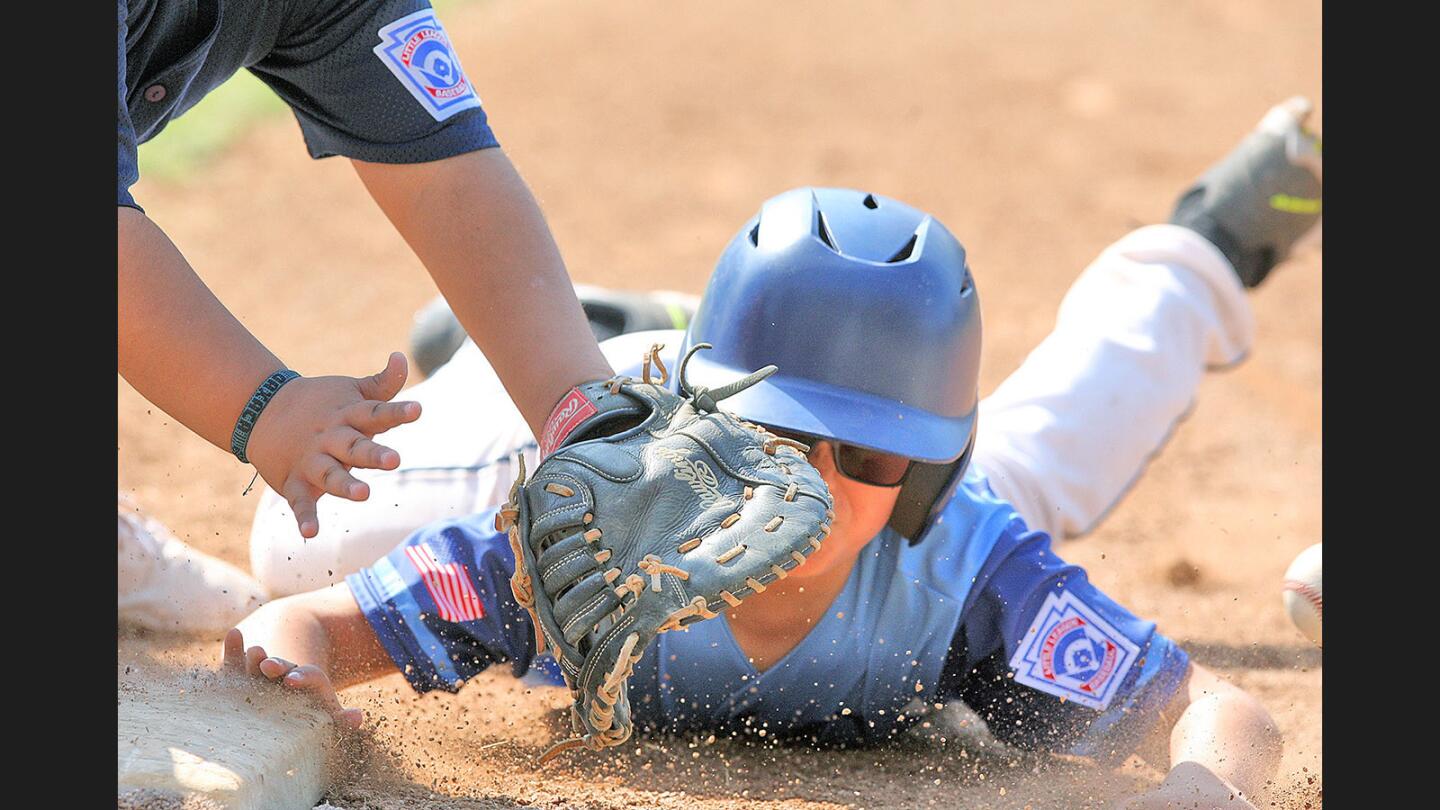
<point x="868" y="308"/>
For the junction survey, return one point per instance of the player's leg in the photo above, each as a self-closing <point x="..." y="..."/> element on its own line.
<point x="164" y="584"/>
<point x="1064" y="436"/>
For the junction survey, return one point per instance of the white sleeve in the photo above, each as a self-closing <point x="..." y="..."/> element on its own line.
<point x="1063" y="437"/>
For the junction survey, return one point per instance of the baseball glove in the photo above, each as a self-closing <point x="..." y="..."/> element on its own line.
<point x="650" y="511"/>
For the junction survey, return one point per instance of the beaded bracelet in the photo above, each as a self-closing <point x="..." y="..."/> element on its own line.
<point x="262" y="396"/>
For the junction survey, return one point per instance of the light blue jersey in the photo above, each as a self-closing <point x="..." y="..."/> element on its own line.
<point x="882" y="643"/>
<point x="980" y="610"/>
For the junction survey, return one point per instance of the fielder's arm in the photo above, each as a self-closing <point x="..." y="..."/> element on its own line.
<point x="473" y="222"/>
<point x="184" y="351"/>
<point x="179" y="346"/>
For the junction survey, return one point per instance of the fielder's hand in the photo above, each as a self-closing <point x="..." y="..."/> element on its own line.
<point x="317" y="429"/>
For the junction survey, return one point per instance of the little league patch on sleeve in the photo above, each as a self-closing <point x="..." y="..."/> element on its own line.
<point x="1071" y="652"/>
<point x="416" y="49"/>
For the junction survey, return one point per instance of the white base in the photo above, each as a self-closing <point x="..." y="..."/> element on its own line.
<point x="197" y="739"/>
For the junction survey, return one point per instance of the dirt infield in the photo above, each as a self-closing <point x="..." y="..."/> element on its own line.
<point x="1038" y="132"/>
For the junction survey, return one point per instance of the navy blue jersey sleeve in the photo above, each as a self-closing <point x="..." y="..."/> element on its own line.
<point x="1051" y="663"/>
<point x="441" y="604"/>
<point x="128" y="165"/>
<point x="375" y="80"/>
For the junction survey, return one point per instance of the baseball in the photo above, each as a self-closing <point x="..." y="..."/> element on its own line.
<point x="1302" y="592"/>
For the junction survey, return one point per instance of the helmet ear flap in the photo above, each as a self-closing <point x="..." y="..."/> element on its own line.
<point x="926" y="490"/>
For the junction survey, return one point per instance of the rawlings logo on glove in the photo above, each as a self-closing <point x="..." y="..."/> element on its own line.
<point x="651" y="511"/>
<point x="695" y="473"/>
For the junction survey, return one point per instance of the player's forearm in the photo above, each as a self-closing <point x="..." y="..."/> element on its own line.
<point x="1223" y="733"/>
<point x="323" y="628"/>
<point x="178" y="345"/>
<point x="473" y="222"/>
<point x="285" y="630"/>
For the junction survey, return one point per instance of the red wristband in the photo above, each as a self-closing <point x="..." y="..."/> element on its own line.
<point x="574" y="409"/>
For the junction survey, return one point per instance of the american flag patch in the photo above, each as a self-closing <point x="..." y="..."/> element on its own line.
<point x="448" y="584"/>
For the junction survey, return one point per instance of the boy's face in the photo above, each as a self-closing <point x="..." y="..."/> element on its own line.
<point x="861" y="511"/>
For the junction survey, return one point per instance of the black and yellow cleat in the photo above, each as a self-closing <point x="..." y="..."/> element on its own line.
<point x="1262" y="197"/>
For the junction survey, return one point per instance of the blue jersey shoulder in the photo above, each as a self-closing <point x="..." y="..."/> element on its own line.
<point x="442" y="608"/>
<point x="1049" y="660"/>
<point x="981" y="610"/>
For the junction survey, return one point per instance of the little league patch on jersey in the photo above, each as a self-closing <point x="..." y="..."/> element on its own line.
<point x="1071" y="652"/>
<point x="416" y="49"/>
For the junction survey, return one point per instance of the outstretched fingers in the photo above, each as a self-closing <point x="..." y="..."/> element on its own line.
<point x="301" y="497"/>
<point x="313" y="681"/>
<point x="253" y="657"/>
<point x="308" y="679"/>
<point x="374" y="416"/>
<point x="275" y="668"/>
<point x="328" y="475"/>
<point x="233" y="659"/>
<point x="354" y="449"/>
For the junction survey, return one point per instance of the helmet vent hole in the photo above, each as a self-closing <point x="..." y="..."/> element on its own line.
<point x="968" y="283"/>
<point x="870" y="203"/>
<point x="755" y="235"/>
<point x="822" y="229"/>
<point x="904" y="252"/>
